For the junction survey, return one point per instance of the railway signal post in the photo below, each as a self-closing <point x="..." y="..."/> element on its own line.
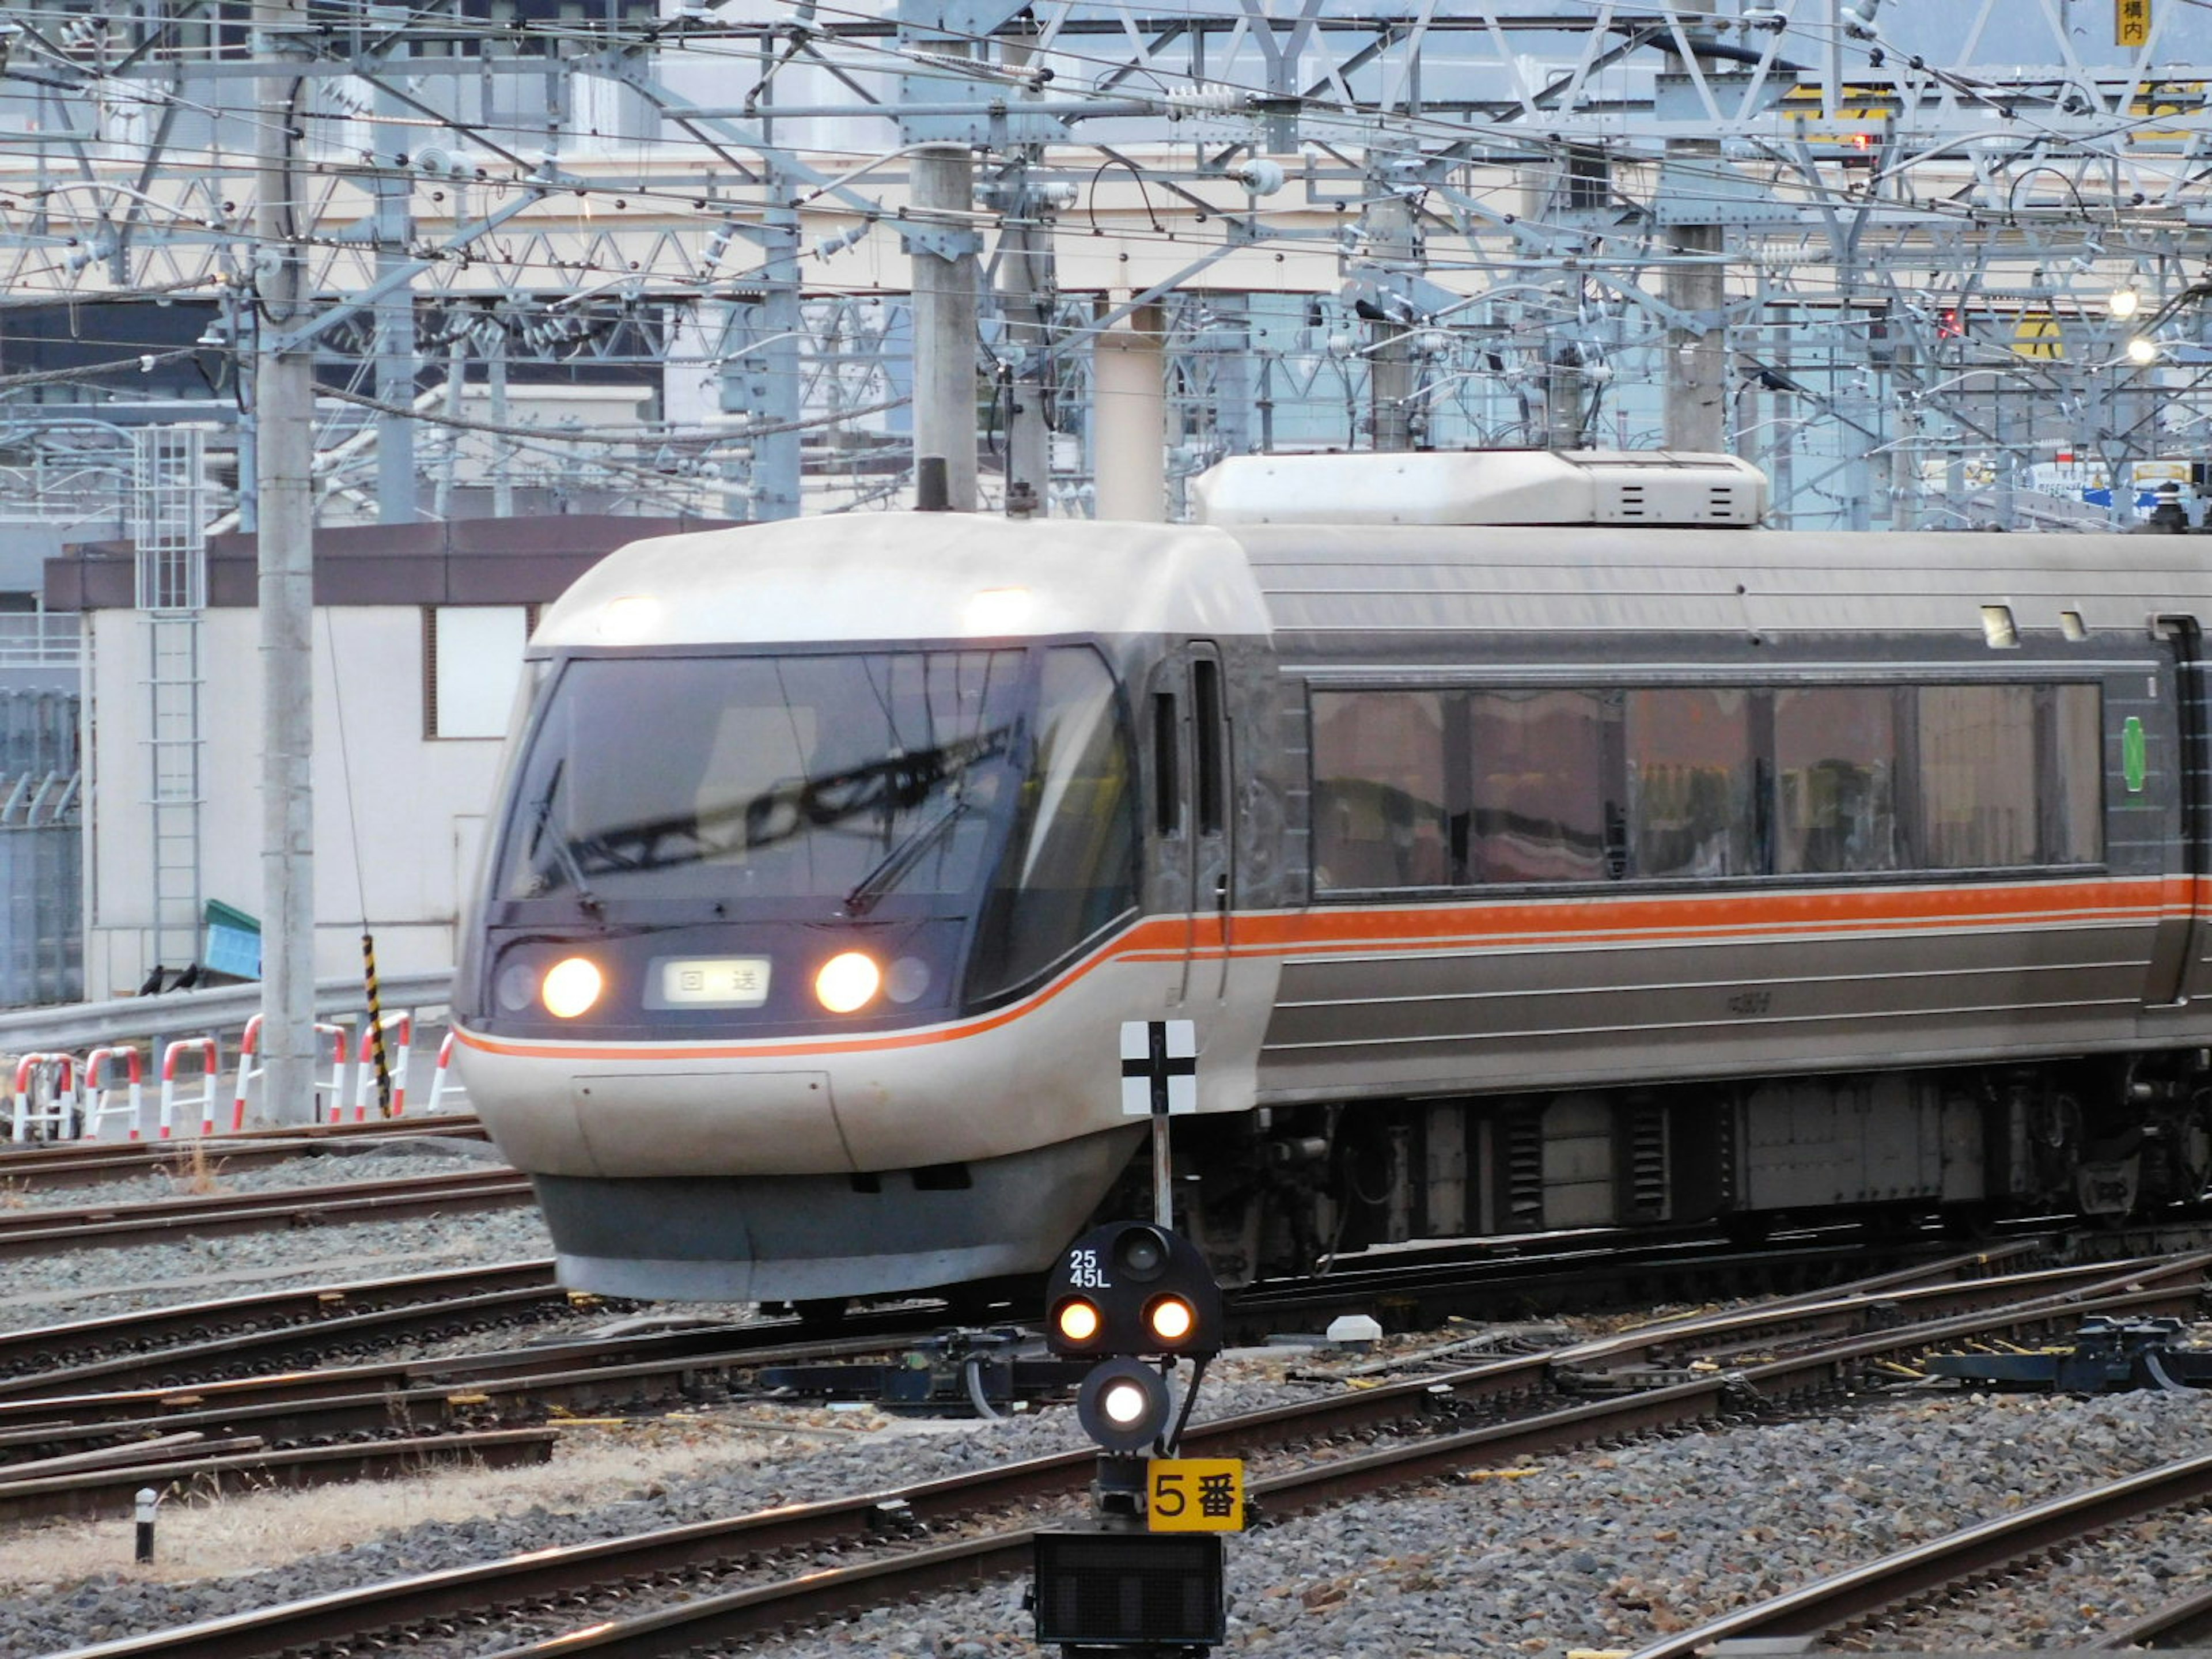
<point x="1159" y="1080"/>
<point x="1146" y="1575"/>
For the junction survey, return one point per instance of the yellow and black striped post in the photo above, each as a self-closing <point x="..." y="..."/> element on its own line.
<point x="376" y="1025"/>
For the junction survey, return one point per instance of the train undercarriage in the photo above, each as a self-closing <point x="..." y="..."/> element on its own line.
<point x="1286" y="1187"/>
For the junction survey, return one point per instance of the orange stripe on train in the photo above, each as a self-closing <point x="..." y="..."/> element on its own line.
<point x="1658" y="918"/>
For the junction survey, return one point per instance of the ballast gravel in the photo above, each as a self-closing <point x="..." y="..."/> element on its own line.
<point x="1598" y="1551"/>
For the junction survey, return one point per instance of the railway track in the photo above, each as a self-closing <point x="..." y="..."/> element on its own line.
<point x="1436" y="1408"/>
<point x="192" y="1341"/>
<point x="1953" y="1562"/>
<point x="88" y="1162"/>
<point x="162" y="1221"/>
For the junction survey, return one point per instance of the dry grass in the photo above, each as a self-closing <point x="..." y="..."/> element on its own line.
<point x="201" y="1538"/>
<point x="191" y="1170"/>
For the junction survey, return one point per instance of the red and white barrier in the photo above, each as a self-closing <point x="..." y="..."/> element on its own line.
<point x="98" y="1107"/>
<point x="442" y="1083"/>
<point x="210" y="1072"/>
<point x="62" y="1107"/>
<point x="364" y="1095"/>
<point x="329" y="1084"/>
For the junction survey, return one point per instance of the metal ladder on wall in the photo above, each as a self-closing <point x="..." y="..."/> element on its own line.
<point x="169" y="530"/>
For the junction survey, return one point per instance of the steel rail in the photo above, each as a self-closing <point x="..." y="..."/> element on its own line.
<point x="109" y="1491"/>
<point x="82" y="1163"/>
<point x="1862" y="1591"/>
<point x="556" y="1573"/>
<point x="586" y="1376"/>
<point x="145" y="1348"/>
<point x="2180" y="1623"/>
<point x="33" y="1232"/>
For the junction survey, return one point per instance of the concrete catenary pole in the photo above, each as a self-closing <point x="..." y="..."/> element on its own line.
<point x="283" y="409"/>
<point x="1128" y="378"/>
<point x="1696" y="417"/>
<point x="944" y="278"/>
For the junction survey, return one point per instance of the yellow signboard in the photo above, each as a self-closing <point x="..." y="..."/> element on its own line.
<point x="1195" y="1494"/>
<point x="2131" y="22"/>
<point x="2036" y="335"/>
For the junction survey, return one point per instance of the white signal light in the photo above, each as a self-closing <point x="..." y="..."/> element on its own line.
<point x="847" y="982"/>
<point x="1125" y="1404"/>
<point x="571" y="987"/>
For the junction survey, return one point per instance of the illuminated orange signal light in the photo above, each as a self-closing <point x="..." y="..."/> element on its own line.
<point x="1076" y="1320"/>
<point x="1172" y="1319"/>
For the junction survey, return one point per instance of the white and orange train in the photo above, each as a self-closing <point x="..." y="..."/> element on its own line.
<point x="1534" y="842"/>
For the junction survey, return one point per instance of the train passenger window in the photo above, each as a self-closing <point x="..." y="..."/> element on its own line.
<point x="2077" y="782"/>
<point x="1379" y="790"/>
<point x="1212" y="781"/>
<point x="1978" y="797"/>
<point x="1539" y="785"/>
<point x="1070" y="867"/>
<point x="1689" y="782"/>
<point x="1835" y="779"/>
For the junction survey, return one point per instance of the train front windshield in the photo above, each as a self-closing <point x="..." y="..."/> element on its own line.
<point x="780" y="783"/>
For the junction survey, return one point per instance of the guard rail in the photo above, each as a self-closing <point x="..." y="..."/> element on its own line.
<point x="79" y="1026"/>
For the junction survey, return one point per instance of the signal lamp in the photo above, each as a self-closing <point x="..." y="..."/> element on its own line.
<point x="571" y="987"/>
<point x="1077" y="1320"/>
<point x="1123" y="1404"/>
<point x="849" y="981"/>
<point x="1171" y="1320"/>
<point x="1141" y="1290"/>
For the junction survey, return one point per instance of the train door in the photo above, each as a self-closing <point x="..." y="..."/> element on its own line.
<point x="1205" y="969"/>
<point x="2175" y="973"/>
<point x="1193" y="763"/>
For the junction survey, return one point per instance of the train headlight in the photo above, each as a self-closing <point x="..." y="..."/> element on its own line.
<point x="516" y="987"/>
<point x="571" y="986"/>
<point x="849" y="981"/>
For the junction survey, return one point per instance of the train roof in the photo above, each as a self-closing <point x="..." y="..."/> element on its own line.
<point x="910" y="575"/>
<point x="1336" y="570"/>
<point x="1366" y="579"/>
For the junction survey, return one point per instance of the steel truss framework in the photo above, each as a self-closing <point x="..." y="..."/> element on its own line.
<point x="1444" y="225"/>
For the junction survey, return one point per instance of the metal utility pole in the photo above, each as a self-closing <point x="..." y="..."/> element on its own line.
<point x="1025" y="285"/>
<point x="1391" y="243"/>
<point x="396" y="479"/>
<point x="1696" y="417"/>
<point x="942" y="244"/>
<point x="283" y="412"/>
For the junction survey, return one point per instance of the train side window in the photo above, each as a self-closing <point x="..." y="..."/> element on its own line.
<point x="1690" y="782"/>
<point x="1835" y="779"/>
<point x="1379" y="790"/>
<point x="1538" y="786"/>
<point x="1206" y="711"/>
<point x="1978" y="799"/>
<point x="1070" y="867"/>
<point x="2077" y="787"/>
<point x="1167" y="766"/>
